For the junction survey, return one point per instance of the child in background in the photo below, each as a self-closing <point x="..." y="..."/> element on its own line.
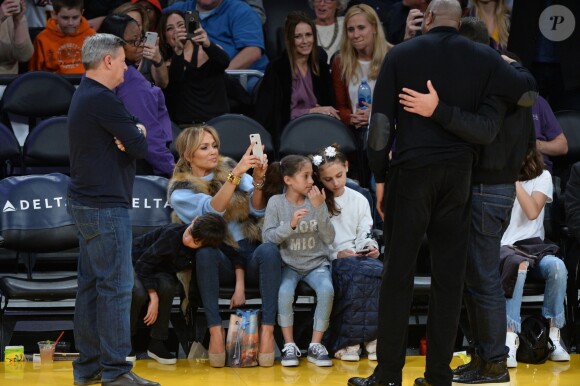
<point x="157" y="257"/>
<point x="298" y="221"/>
<point x="58" y="47"/>
<point x="354" y="253"/>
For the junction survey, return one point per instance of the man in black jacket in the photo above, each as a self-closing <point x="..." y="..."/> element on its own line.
<point x="429" y="182"/>
<point x="493" y="191"/>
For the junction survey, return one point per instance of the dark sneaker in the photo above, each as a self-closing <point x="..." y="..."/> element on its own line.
<point x="290" y="354"/>
<point x="470" y="366"/>
<point x="159" y="352"/>
<point x="95" y="379"/>
<point x="487" y="373"/>
<point x="318" y="355"/>
<point x="132" y="357"/>
<point x="130" y="379"/>
<point x="370" y="381"/>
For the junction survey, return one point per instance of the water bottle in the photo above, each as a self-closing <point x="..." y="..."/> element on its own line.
<point x="364" y="94"/>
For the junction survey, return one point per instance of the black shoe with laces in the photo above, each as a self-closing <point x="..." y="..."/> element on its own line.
<point x="159" y="352"/>
<point x="486" y="373"/>
<point x="471" y="366"/>
<point x="370" y="381"/>
<point x="130" y="379"/>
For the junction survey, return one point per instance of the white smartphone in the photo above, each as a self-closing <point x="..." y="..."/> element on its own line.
<point x="256" y="140"/>
<point x="150" y="39"/>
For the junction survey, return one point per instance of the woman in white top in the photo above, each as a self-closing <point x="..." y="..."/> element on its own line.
<point x="361" y="56"/>
<point x="352" y="221"/>
<point x="328" y="24"/>
<point x="527" y="221"/>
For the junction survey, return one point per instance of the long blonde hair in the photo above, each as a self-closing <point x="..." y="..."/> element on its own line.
<point x="349" y="55"/>
<point x="502" y="20"/>
<point x="187" y="143"/>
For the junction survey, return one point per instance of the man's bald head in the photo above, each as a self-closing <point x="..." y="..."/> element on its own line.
<point x="442" y="13"/>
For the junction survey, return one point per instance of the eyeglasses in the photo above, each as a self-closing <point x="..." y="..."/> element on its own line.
<point x="323" y="1"/>
<point x="136" y="42"/>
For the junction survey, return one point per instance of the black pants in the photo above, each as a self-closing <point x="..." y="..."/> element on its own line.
<point x="432" y="200"/>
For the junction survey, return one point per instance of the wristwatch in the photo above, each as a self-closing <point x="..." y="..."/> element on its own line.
<point x="234" y="180"/>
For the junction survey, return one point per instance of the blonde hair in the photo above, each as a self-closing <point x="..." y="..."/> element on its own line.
<point x="502" y="20"/>
<point x="349" y="55"/>
<point x="187" y="143"/>
<point x="125" y="8"/>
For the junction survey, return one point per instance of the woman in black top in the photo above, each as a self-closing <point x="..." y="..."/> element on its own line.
<point x="196" y="91"/>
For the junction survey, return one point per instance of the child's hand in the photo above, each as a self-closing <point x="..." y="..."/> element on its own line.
<point x="298" y="215"/>
<point x="152" y="309"/>
<point x="316" y="196"/>
<point x="238" y="299"/>
<point x="345" y="253"/>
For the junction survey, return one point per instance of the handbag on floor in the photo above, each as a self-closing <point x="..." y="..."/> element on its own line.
<point x="535" y="343"/>
<point x="243" y="339"/>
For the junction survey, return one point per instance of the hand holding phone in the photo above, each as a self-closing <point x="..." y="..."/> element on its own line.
<point x="257" y="150"/>
<point x="363" y="251"/>
<point x="191" y="23"/>
<point x="150" y="39"/>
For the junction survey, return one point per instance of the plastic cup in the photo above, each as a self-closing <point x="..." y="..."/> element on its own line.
<point x="46" y="348"/>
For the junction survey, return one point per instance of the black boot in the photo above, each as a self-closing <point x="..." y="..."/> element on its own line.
<point x="471" y="366"/>
<point x="487" y="373"/>
<point x="421" y="382"/>
<point x="370" y="381"/>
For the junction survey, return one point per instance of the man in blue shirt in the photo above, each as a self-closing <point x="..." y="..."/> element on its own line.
<point x="233" y="25"/>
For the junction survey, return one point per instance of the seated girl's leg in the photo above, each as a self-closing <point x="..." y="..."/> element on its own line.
<point x="265" y="268"/>
<point x="514" y="304"/>
<point x="290" y="279"/>
<point x="212" y="268"/>
<point x="553" y="270"/>
<point x="138" y="299"/>
<point x="166" y="291"/>
<point x="320" y="280"/>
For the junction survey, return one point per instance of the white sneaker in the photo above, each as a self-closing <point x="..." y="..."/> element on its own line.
<point x="512" y="341"/>
<point x="371" y="348"/>
<point x="349" y="353"/>
<point x="559" y="354"/>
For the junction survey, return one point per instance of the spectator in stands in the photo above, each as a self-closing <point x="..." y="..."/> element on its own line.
<point x="298" y="222"/>
<point x="15" y="44"/>
<point x="525" y="237"/>
<point x="205" y="182"/>
<point x="551" y="53"/>
<point x="196" y="91"/>
<point x="36" y="12"/>
<point x="402" y="24"/>
<point x="97" y="10"/>
<point x="58" y="47"/>
<point x="153" y="11"/>
<point x="550" y="140"/>
<point x="496" y="16"/>
<point x="152" y="66"/>
<point x="234" y="26"/>
<point x="356" y="273"/>
<point x="360" y="58"/>
<point x="296" y="83"/>
<point x="141" y="98"/>
<point x="329" y="25"/>
<point x="157" y="257"/>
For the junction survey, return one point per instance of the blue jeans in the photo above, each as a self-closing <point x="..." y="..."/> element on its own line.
<point x="320" y="280"/>
<point x="263" y="268"/>
<point x="484" y="298"/>
<point x="553" y="271"/>
<point x="103" y="302"/>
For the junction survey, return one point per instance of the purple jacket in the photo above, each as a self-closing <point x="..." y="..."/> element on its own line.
<point x="147" y="102"/>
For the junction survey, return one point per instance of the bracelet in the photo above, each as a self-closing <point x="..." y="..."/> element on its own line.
<point x="158" y="64"/>
<point x="259" y="185"/>
<point x="234" y="180"/>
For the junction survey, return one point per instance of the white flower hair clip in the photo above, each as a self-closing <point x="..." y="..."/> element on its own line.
<point x="317" y="160"/>
<point x="330" y="152"/>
